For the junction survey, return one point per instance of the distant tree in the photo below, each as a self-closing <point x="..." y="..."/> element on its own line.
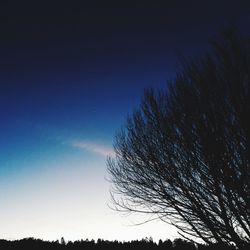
<point x="183" y="244"/>
<point x="167" y="244"/>
<point x="63" y="241"/>
<point x="183" y="156"/>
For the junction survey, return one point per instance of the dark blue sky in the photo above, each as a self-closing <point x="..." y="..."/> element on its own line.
<point x="70" y="73"/>
<point x="61" y="62"/>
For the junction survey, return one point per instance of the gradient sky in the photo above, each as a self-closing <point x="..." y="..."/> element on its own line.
<point x="69" y="76"/>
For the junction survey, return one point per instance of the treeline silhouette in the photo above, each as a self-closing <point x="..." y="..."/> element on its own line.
<point x="145" y="243"/>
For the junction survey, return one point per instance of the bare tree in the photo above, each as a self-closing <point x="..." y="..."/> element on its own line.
<point x="183" y="156"/>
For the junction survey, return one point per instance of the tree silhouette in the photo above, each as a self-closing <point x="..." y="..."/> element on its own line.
<point x="32" y="243"/>
<point x="183" y="156"/>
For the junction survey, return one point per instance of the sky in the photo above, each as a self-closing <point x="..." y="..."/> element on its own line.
<point x="70" y="74"/>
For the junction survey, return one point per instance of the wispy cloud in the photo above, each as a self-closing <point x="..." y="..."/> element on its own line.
<point x="67" y="137"/>
<point x="93" y="147"/>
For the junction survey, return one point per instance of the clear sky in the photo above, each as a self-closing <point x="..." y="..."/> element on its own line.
<point x="69" y="76"/>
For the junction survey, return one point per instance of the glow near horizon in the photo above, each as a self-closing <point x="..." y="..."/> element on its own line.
<point x="68" y="197"/>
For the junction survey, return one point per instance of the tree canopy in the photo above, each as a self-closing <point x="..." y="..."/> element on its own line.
<point x="183" y="156"/>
